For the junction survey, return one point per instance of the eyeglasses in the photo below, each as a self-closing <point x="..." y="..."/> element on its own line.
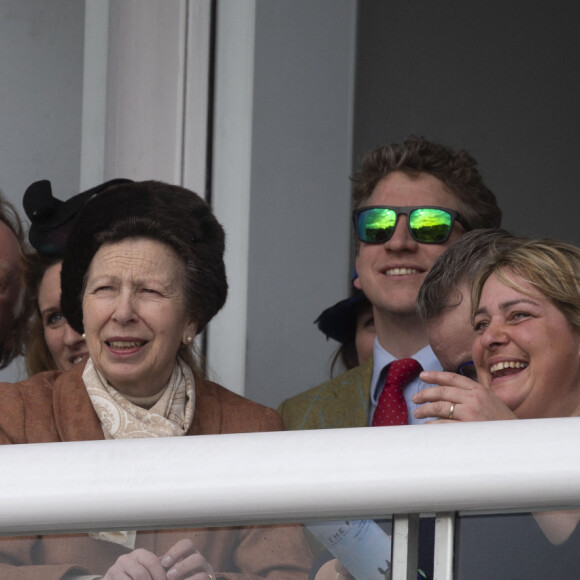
<point x="467" y="369"/>
<point x="428" y="225"/>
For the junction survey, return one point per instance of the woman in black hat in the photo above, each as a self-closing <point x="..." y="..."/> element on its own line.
<point x="351" y="323"/>
<point x="142" y="274"/>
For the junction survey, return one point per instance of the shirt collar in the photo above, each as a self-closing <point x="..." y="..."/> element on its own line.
<point x="381" y="358"/>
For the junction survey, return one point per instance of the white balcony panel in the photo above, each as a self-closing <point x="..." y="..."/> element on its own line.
<point x="290" y="476"/>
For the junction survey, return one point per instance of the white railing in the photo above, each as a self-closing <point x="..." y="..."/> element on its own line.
<point x="293" y="476"/>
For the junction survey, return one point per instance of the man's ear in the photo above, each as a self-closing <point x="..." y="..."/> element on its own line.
<point x="356" y="281"/>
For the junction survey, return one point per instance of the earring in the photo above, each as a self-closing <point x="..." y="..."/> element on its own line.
<point x="84" y="336"/>
<point x="189" y="339"/>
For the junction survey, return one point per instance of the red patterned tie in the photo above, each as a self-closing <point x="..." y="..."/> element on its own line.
<point x="391" y="408"/>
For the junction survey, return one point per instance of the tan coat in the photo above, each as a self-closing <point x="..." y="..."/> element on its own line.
<point x="55" y="406"/>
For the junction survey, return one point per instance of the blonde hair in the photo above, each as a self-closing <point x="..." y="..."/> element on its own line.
<point x="551" y="266"/>
<point x="37" y="356"/>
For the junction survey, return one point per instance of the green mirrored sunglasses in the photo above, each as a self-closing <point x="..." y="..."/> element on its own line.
<point x="427" y="224"/>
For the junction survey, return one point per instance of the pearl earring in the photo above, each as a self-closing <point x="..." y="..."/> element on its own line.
<point x="189" y="339"/>
<point x="84" y="336"/>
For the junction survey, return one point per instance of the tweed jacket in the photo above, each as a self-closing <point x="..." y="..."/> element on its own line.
<point x="340" y="402"/>
<point x="55" y="406"/>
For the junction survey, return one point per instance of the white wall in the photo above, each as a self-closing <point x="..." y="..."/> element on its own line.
<point x="41" y="60"/>
<point x="41" y="67"/>
<point x="497" y="78"/>
<point x="299" y="230"/>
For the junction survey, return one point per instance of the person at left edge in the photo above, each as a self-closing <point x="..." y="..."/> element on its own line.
<point x="142" y="274"/>
<point x="13" y="311"/>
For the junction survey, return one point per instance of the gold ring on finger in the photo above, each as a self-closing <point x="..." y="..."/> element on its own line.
<point x="451" y="411"/>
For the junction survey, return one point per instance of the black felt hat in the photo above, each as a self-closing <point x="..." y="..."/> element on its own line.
<point x="339" y="321"/>
<point x="51" y="218"/>
<point x="168" y="213"/>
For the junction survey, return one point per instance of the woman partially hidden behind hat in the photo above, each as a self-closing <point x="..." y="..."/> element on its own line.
<point x="142" y="274"/>
<point x="51" y="343"/>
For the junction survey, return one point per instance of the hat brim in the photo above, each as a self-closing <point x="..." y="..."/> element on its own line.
<point x="51" y="218"/>
<point x="339" y="321"/>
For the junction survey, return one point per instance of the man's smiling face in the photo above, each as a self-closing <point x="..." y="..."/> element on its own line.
<point x="391" y="273"/>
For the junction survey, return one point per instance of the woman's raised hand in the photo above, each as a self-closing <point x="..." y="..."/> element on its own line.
<point x="457" y="398"/>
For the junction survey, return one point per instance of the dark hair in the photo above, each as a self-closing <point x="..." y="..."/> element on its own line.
<point x="457" y="171"/>
<point x="170" y="214"/>
<point x="51" y="218"/>
<point x="459" y="264"/>
<point x="346" y="354"/>
<point x="37" y="356"/>
<point x="12" y="339"/>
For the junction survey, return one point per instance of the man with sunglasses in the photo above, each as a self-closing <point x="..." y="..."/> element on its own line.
<point x="412" y="201"/>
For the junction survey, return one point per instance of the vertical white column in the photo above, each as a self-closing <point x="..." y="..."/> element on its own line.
<point x="231" y="172"/>
<point x="405" y="546"/>
<point x="195" y="125"/>
<point x="94" y="93"/>
<point x="145" y="94"/>
<point x="444" y="540"/>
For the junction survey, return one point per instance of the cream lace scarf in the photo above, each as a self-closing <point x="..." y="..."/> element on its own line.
<point x="170" y="416"/>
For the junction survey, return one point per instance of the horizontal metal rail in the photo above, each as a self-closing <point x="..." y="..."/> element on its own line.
<point x="290" y="476"/>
